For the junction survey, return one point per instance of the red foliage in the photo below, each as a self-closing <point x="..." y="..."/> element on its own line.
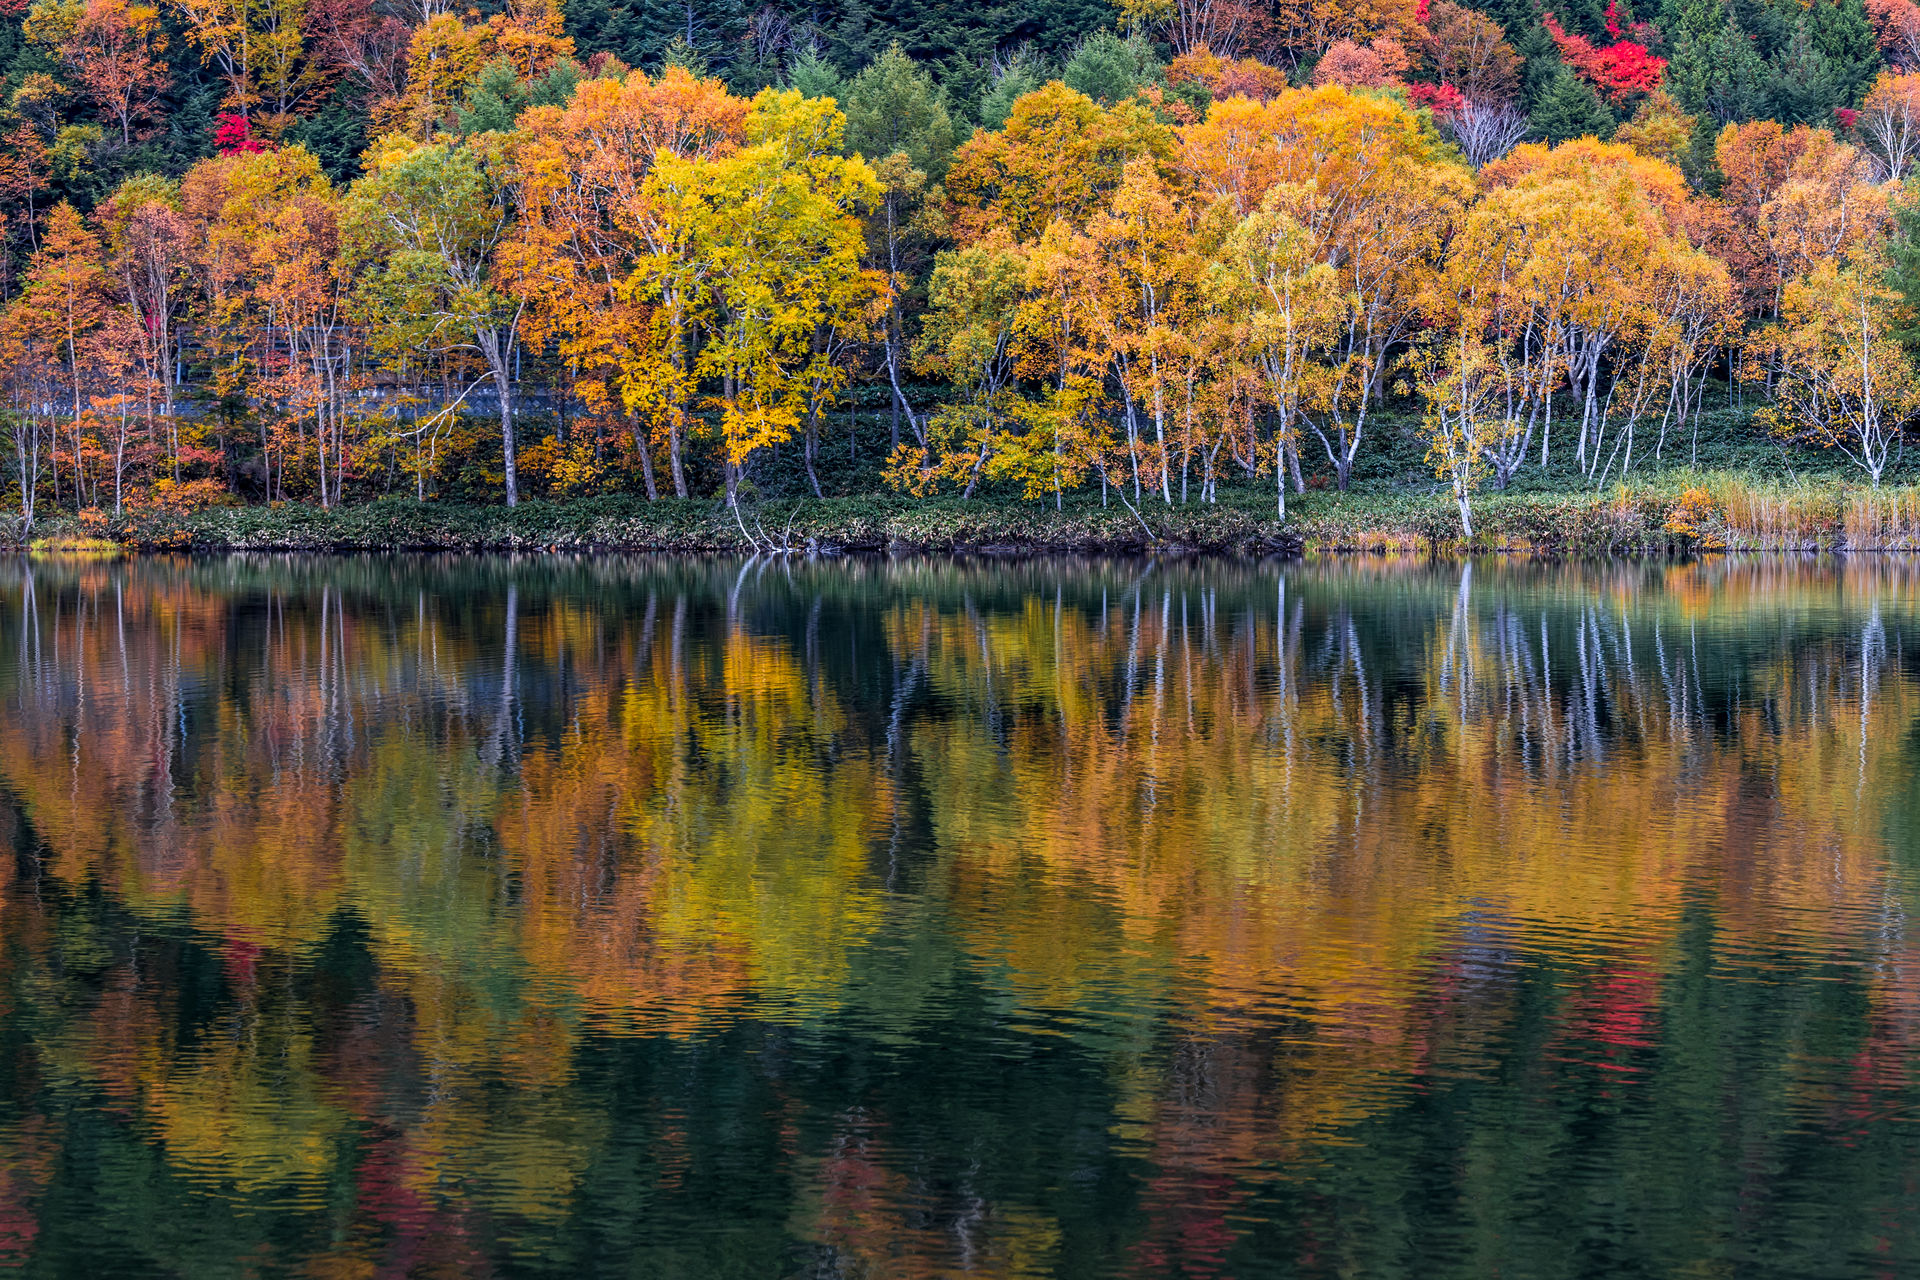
<point x="233" y="134"/>
<point x="1846" y="116"/>
<point x="1620" y="70"/>
<point x="1442" y="99"/>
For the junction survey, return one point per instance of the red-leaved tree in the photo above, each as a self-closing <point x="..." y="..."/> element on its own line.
<point x="1619" y="70"/>
<point x="233" y="135"/>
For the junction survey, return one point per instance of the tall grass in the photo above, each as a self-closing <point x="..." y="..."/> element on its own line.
<point x="1770" y="516"/>
<point x="1884" y="519"/>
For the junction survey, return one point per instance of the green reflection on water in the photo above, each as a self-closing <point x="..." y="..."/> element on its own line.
<point x="658" y="917"/>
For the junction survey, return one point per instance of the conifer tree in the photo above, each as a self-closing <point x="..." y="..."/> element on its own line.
<point x="1570" y="109"/>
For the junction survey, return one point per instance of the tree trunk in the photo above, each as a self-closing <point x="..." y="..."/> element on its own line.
<point x="644" y="447"/>
<point x="810" y="445"/>
<point x="496" y="353"/>
<point x="677" y="421"/>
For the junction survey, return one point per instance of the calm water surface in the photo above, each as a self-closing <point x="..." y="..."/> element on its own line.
<point x="694" y="918"/>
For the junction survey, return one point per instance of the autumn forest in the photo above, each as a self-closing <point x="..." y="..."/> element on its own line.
<point x="321" y="251"/>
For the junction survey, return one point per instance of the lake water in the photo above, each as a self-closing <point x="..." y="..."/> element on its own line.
<point x="699" y="918"/>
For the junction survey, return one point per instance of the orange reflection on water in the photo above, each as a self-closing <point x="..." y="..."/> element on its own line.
<point x="1269" y="841"/>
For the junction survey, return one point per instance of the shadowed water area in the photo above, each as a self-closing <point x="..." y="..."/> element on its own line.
<point x="691" y="918"/>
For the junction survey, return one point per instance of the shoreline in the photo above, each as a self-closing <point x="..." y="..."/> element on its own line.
<point x="1654" y="521"/>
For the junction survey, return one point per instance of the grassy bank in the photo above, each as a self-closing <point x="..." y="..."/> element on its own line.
<point x="1676" y="513"/>
<point x="1764" y="499"/>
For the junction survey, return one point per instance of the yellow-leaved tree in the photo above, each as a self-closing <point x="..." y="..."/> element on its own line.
<point x="775" y="228"/>
<point x="973" y="303"/>
<point x="1288" y="304"/>
<point x="1841" y="379"/>
<point x="609" y="274"/>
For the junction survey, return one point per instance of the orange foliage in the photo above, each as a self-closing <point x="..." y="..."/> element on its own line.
<point x="1372" y="66"/>
<point x="1308" y="28"/>
<point x="1793" y="197"/>
<point x="445" y="55"/>
<point x="1896" y="25"/>
<point x="1058" y="157"/>
<point x="1227" y="77"/>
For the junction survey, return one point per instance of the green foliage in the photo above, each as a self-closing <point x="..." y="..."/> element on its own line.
<point x="685" y="54"/>
<point x="1540" y="59"/>
<point x="423" y="226"/>
<point x="812" y="76"/>
<point x="1012" y="80"/>
<point x="1903" y="267"/>
<point x="336" y="136"/>
<point x="1719" y="74"/>
<point x="893" y="106"/>
<point x="1639" y="519"/>
<point x="497" y="96"/>
<point x="1109" y="68"/>
<point x="1570" y="109"/>
<point x="1843" y="35"/>
<point x="493" y="100"/>
<point x="1823" y="66"/>
<point x="701" y="35"/>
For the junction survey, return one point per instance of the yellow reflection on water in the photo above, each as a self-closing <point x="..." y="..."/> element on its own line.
<point x="1289" y="815"/>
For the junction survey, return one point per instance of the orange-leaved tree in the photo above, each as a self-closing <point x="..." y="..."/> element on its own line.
<point x="150" y="261"/>
<point x="62" y="319"/>
<point x="609" y="277"/>
<point x="1794" y="197"/>
<point x="232" y="203"/>
<point x="113" y="47"/>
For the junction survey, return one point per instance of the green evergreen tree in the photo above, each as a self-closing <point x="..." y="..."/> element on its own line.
<point x="493" y="100"/>
<point x="1680" y="20"/>
<point x="626" y="30"/>
<point x="1844" y="36"/>
<point x="1540" y="62"/>
<point x="336" y="136"/>
<point x="1108" y="68"/>
<point x="850" y="38"/>
<point x="893" y="106"/>
<point x="640" y="32"/>
<point x="957" y="40"/>
<point x="1702" y="164"/>
<point x="1732" y="80"/>
<point x="688" y="56"/>
<point x="1806" y="84"/>
<point x="1903" y="267"/>
<point x="1689" y="29"/>
<point x="1770" y="22"/>
<point x="1012" y="80"/>
<point x="814" y="76"/>
<point x="1570" y="109"/>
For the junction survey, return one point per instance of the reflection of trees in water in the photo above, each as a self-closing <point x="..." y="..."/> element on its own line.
<point x="1276" y="847"/>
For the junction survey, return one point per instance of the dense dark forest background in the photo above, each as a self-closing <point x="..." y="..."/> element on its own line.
<point x="335" y="60"/>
